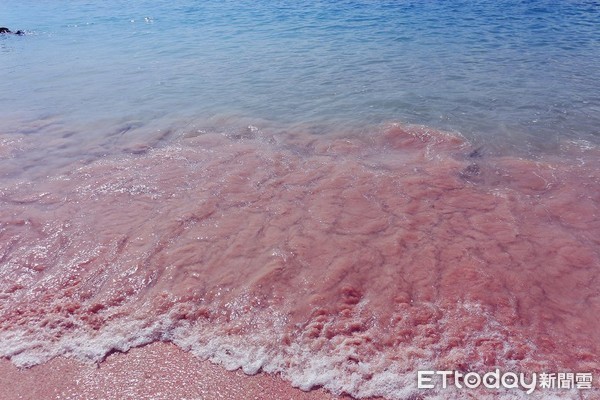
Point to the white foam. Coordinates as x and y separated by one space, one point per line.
304 367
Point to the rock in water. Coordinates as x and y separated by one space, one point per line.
4 30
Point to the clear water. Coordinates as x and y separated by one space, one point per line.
161 180
519 70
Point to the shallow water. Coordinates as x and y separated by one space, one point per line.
345 262
229 177
526 69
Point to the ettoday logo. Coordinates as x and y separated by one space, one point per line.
507 380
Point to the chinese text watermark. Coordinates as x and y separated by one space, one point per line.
507 380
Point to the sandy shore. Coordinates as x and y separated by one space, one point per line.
159 371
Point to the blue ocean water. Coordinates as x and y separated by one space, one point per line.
516 70
89 196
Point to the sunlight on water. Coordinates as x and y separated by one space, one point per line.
337 192
525 70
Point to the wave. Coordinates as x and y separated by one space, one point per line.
345 261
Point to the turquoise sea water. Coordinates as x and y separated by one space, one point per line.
521 71
338 192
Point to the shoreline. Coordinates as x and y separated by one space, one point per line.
158 371
408 250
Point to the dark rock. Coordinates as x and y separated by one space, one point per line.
4 31
477 153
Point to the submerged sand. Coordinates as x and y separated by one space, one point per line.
344 262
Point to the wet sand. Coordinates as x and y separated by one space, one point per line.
159 371
347 263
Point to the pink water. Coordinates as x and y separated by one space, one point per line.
342 261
